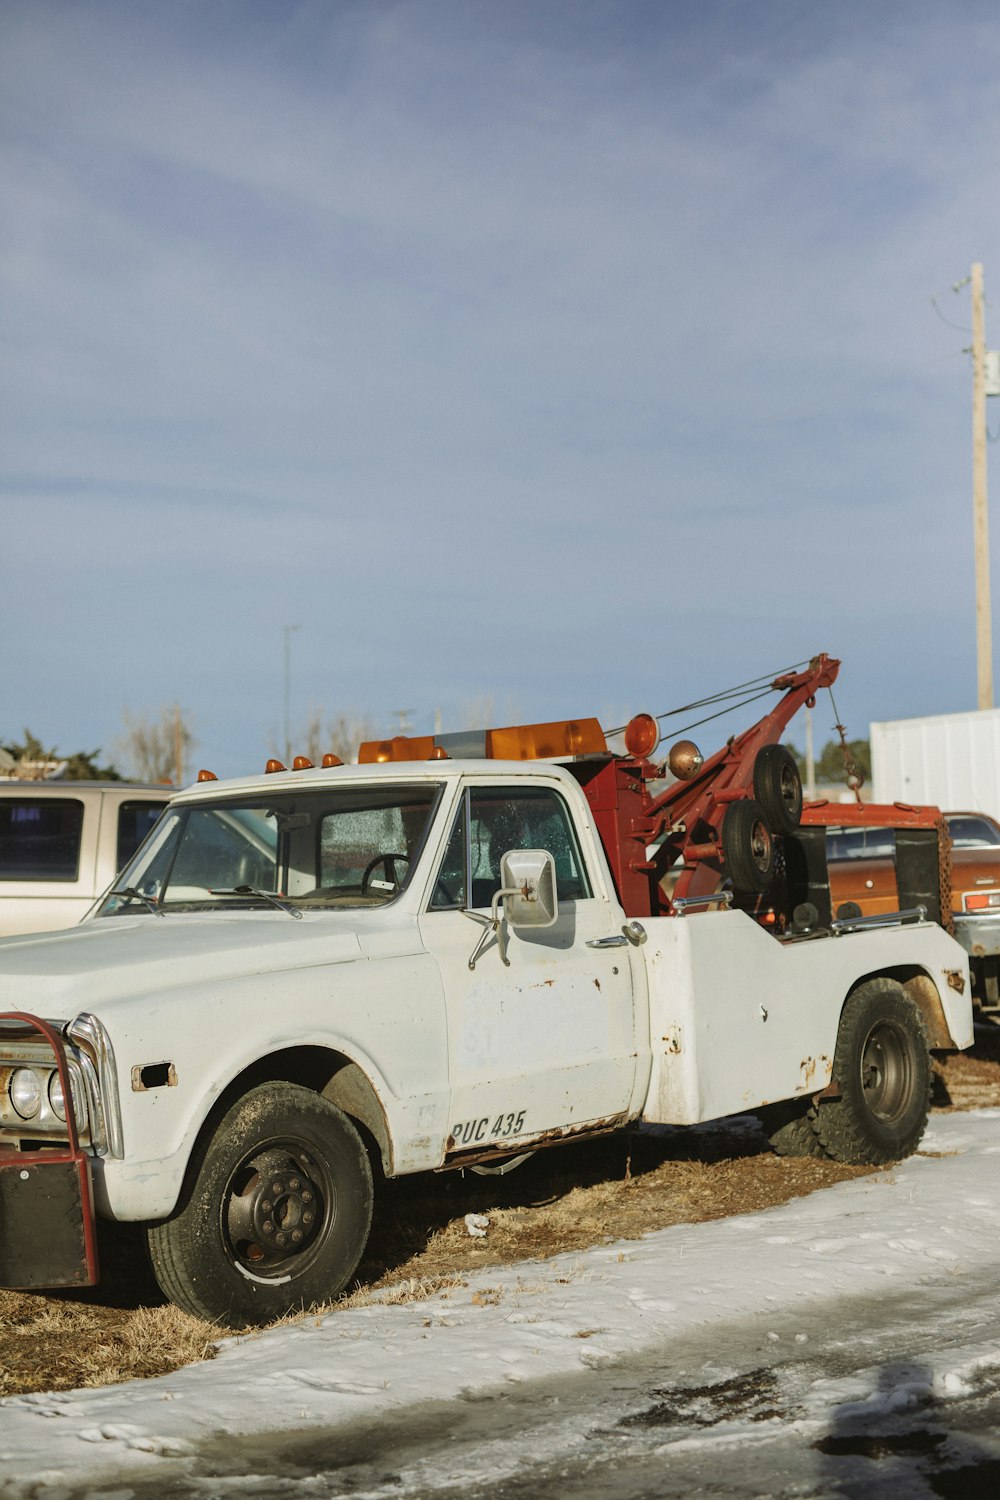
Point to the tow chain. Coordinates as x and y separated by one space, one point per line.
855 779
944 874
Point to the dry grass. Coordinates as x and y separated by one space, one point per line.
561 1200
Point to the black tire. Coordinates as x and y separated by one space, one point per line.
883 1066
277 1212
777 786
747 846
790 1128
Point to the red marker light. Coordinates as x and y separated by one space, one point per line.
642 735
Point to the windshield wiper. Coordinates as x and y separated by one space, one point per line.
248 890
150 902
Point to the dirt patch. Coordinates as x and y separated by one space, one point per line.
565 1199
971 1080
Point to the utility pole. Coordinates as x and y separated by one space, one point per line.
178 748
810 758
288 679
980 511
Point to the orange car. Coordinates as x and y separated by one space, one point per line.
863 868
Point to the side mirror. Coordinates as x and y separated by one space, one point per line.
528 880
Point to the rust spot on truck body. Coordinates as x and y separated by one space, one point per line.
561 1137
810 1066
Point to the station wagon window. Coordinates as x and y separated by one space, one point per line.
40 838
135 819
490 822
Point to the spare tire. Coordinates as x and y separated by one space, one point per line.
747 846
777 786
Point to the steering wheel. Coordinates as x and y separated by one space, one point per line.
388 864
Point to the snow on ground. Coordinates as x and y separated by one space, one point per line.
928 1222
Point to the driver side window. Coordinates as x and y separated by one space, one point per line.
493 820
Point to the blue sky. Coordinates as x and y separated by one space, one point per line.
582 356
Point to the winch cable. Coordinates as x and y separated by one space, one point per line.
745 692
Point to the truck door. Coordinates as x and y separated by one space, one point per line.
548 1043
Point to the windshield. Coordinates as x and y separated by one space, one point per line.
343 847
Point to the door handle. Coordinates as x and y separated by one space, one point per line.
607 942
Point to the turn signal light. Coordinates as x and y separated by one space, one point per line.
980 900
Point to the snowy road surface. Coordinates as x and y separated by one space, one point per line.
844 1344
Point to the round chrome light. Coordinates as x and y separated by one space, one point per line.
25 1090
685 760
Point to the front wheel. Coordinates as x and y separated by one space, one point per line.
277 1215
882 1064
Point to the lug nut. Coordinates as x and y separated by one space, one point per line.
293 1183
268 1227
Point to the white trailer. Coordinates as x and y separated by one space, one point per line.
950 760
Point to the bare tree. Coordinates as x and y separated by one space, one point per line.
155 746
482 713
341 734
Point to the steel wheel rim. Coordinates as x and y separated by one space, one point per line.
277 1210
788 789
886 1073
760 846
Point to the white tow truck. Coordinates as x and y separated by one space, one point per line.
449 955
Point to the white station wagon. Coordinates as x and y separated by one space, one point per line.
62 843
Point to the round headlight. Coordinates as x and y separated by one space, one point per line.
56 1098
25 1091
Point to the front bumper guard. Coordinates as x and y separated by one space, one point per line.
48 1228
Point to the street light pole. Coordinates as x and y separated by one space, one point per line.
980 511
288 679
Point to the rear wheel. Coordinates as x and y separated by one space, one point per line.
277 1215
790 1128
883 1067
